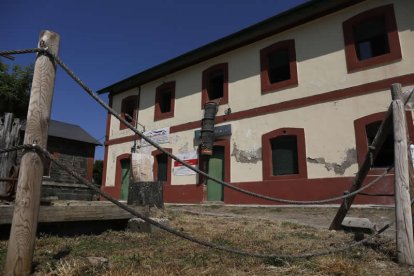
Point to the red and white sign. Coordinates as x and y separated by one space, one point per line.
190 158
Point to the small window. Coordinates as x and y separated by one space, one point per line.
371 38
385 157
162 166
215 84
162 162
284 154
128 110
278 66
164 101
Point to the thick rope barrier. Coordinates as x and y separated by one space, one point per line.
190 238
154 144
173 231
345 196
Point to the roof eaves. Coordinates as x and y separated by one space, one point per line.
296 16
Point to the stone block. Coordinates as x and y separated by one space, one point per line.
141 226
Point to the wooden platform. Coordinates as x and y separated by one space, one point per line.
70 211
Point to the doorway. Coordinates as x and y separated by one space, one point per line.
125 175
215 168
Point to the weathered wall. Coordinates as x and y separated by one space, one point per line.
329 127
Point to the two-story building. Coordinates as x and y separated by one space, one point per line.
300 96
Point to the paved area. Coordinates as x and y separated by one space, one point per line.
318 216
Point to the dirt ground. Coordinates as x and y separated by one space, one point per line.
319 216
280 230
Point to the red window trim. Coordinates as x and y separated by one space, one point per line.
160 90
125 101
267 153
118 173
352 62
266 86
155 167
361 135
223 67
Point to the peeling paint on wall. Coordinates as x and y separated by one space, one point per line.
246 156
350 159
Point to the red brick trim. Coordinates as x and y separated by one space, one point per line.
267 153
222 67
168 87
336 95
125 102
352 61
361 135
264 66
169 165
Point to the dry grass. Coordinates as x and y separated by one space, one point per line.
164 254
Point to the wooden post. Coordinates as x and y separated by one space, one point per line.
380 137
404 224
26 211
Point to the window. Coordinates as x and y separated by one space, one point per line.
164 101
215 84
162 166
278 66
385 157
371 38
128 110
284 154
365 130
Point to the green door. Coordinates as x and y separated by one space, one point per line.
216 170
126 169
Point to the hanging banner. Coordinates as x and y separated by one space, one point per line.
159 136
142 167
190 158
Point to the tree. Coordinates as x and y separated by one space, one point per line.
97 172
15 84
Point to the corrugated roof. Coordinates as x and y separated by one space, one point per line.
70 132
301 14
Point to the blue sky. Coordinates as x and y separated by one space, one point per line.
106 41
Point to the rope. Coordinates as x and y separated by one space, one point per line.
23 51
154 144
119 117
190 238
15 148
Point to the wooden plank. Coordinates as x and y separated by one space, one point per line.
27 203
78 212
380 137
404 224
9 137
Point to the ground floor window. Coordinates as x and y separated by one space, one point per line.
284 154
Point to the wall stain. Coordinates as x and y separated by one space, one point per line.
246 156
339 169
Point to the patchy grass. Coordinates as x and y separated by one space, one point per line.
161 253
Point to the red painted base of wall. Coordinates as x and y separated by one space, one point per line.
183 193
295 189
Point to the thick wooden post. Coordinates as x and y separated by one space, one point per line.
383 131
26 210
404 224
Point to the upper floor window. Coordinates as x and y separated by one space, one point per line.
164 101
129 110
284 154
215 84
278 66
371 38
